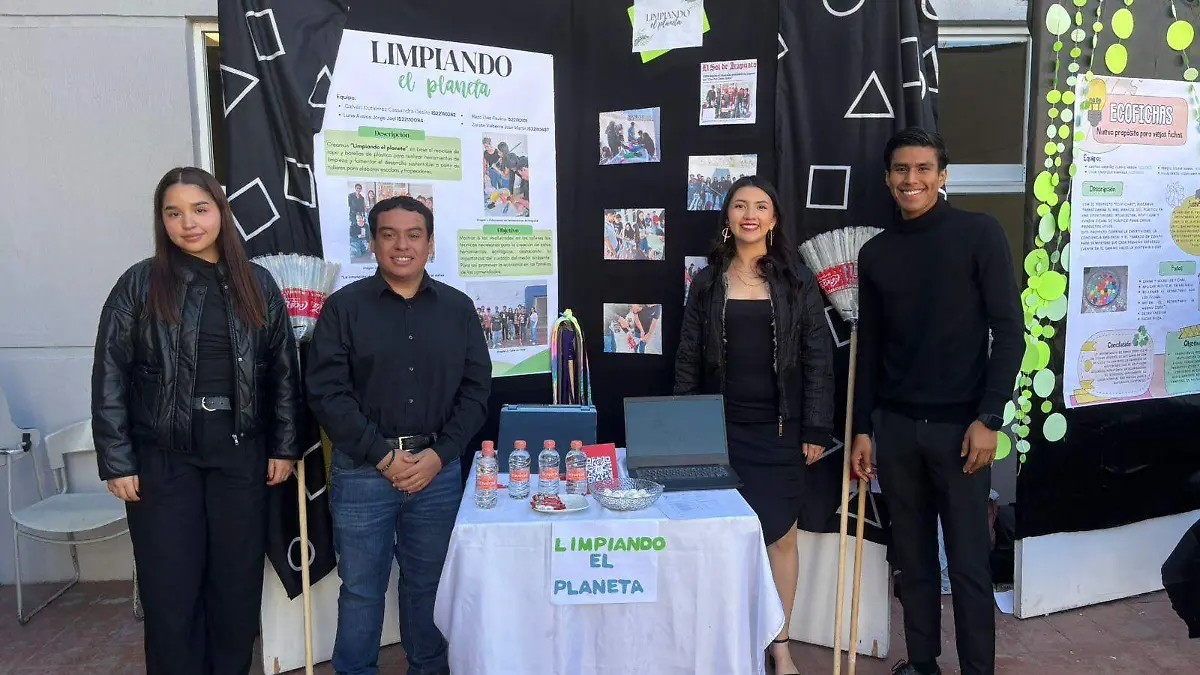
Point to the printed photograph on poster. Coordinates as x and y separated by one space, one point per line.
629 136
362 197
1104 289
709 178
512 313
505 175
667 24
692 264
632 328
634 234
728 92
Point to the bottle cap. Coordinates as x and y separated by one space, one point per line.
519 445
489 448
577 444
548 444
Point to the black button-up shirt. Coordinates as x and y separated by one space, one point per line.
381 366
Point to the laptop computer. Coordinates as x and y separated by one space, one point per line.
679 442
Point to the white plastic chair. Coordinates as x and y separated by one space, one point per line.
61 517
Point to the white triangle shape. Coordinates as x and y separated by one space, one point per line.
890 114
251 82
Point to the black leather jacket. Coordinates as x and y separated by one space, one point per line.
803 350
142 389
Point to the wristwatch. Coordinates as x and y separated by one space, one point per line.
993 422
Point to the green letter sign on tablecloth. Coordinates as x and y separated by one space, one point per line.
594 563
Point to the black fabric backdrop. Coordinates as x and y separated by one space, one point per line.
1125 462
831 112
826 60
273 56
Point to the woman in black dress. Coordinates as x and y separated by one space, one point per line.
754 331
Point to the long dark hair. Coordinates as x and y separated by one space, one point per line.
165 273
782 260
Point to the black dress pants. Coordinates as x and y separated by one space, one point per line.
199 536
920 473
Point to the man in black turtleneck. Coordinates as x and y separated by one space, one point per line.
932 393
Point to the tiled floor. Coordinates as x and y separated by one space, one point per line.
91 631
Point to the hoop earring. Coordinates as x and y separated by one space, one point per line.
724 235
771 237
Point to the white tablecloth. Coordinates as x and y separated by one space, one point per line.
716 613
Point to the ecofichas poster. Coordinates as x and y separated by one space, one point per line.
468 130
1133 298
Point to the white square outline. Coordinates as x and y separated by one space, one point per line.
324 484
312 183
270 14
837 340
920 81
329 76
783 44
237 99
267 196
937 75
845 205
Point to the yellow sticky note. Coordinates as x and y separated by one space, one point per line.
648 56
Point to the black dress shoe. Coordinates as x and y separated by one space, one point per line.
906 668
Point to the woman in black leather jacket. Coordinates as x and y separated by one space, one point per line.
195 397
754 330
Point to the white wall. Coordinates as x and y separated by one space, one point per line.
97 101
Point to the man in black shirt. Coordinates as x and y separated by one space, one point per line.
930 289
398 376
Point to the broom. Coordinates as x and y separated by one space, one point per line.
305 282
834 257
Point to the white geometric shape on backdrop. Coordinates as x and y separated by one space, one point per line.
312 183
916 57
781 44
837 445
872 79
270 16
928 11
872 507
843 12
328 76
252 81
313 495
837 340
931 54
247 236
812 170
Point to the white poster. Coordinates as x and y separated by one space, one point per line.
667 24
598 562
467 130
1133 299
728 92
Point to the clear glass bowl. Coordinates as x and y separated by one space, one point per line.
627 494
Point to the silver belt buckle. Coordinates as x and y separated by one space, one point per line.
204 404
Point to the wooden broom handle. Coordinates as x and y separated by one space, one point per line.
302 502
845 510
863 488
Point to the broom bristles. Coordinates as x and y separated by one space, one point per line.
305 282
833 257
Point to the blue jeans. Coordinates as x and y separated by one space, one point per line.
374 523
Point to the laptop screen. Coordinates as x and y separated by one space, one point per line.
679 428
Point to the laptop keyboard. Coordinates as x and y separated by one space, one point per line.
659 474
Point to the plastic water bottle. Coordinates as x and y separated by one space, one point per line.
548 462
518 471
576 461
487 470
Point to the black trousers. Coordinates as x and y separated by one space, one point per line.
199 536
920 472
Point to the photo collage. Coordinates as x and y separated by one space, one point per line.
728 95
362 197
505 176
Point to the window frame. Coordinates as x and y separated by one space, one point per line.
991 178
200 99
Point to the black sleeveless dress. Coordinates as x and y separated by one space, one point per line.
770 465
